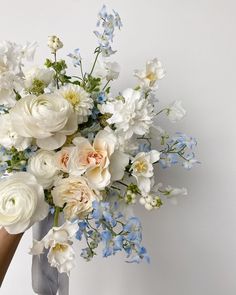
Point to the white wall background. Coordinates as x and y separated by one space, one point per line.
193 245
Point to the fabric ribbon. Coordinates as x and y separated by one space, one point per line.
45 279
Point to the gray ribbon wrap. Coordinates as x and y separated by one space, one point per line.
45 279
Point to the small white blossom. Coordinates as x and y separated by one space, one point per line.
54 43
150 202
175 111
107 70
58 240
142 169
41 74
150 76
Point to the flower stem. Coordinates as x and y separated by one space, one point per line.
95 61
56 216
55 60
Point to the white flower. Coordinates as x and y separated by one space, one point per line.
133 115
43 166
58 240
48 118
7 97
150 76
80 100
107 70
150 202
21 202
99 160
54 43
175 111
8 136
41 74
75 196
63 158
142 169
172 193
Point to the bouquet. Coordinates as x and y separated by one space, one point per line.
73 150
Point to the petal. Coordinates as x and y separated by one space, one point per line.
51 143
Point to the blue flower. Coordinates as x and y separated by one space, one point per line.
141 255
101 98
168 159
108 22
76 57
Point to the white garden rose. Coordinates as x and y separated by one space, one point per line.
43 166
47 117
8 136
75 194
21 202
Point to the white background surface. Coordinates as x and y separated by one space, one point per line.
193 245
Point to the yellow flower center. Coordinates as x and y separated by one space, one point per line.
72 96
151 76
59 248
141 166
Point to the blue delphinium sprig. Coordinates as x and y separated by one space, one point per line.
108 22
179 149
115 233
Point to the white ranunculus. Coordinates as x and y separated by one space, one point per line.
21 202
150 76
42 74
43 166
58 240
175 111
133 115
47 117
75 195
8 136
142 169
79 99
107 70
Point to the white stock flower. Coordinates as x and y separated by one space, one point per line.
58 240
11 62
54 43
38 74
107 70
175 111
75 196
8 136
142 169
100 162
47 117
43 166
132 115
80 100
21 202
150 76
